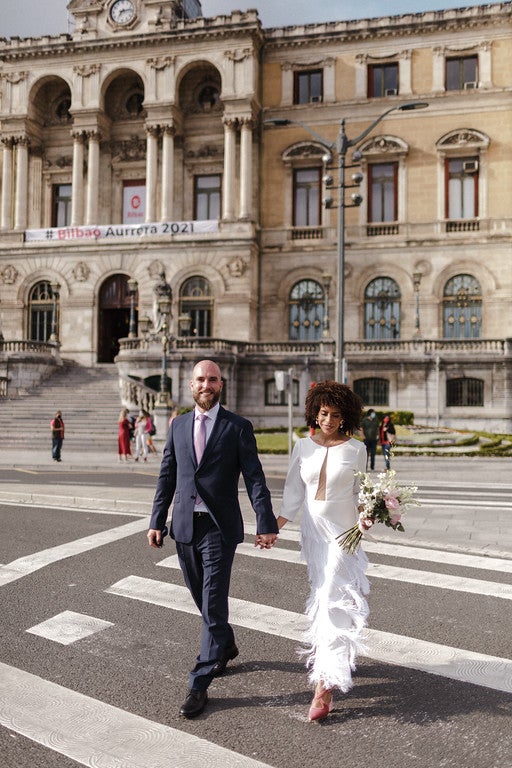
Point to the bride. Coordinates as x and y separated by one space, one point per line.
321 480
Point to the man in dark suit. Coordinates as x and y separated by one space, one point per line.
205 453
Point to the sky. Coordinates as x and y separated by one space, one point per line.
33 18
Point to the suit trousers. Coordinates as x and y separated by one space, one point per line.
206 564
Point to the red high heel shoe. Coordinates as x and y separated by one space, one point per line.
320 713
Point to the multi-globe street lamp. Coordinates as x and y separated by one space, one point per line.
341 146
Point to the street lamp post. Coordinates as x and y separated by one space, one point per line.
416 278
132 290
341 147
164 306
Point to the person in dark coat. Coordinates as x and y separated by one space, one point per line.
370 427
205 452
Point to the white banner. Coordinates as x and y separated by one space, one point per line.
134 203
122 230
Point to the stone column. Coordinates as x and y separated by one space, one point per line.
151 171
167 203
6 206
246 169
20 200
77 189
228 196
93 176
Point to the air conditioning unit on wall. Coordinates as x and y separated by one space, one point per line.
470 85
470 166
391 91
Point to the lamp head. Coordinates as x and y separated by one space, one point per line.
412 105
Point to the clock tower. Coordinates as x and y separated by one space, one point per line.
115 17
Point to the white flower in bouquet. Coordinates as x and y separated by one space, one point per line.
380 501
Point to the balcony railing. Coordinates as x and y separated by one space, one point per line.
326 348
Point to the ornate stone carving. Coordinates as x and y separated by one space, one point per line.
238 54
9 274
237 267
129 150
161 62
81 272
86 70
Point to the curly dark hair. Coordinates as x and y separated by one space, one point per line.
334 395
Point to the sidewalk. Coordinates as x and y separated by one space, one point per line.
455 525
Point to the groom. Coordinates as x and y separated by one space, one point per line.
205 453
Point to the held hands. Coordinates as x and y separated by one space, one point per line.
265 540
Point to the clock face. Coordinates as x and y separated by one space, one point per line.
122 11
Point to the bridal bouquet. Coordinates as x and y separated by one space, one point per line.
382 501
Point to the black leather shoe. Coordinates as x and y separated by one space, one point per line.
194 703
228 655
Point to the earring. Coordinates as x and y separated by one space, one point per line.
340 428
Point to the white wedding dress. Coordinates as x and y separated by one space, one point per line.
336 608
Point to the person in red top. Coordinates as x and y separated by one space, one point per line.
57 430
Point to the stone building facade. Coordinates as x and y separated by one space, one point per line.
155 147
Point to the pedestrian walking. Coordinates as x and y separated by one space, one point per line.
57 432
370 427
387 439
205 452
321 480
124 448
141 435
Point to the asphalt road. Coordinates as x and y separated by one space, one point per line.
98 635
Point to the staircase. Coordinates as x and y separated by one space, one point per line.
89 399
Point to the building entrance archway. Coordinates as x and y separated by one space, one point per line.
114 316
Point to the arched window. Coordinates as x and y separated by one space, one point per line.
306 307
372 391
40 311
196 303
465 392
382 309
462 308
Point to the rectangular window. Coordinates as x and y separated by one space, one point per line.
306 197
134 202
382 192
461 73
61 205
382 80
308 86
462 188
468 393
207 197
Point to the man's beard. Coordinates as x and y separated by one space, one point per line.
206 405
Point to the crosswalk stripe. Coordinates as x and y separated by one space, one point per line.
30 563
454 663
376 570
406 552
93 733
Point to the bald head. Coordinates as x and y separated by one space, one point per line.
206 384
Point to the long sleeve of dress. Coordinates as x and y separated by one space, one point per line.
294 488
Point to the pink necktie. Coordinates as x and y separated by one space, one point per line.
200 436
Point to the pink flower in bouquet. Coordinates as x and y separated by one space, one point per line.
395 519
391 503
365 523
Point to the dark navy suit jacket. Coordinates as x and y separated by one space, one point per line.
230 450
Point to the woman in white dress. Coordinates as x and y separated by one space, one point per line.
321 480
